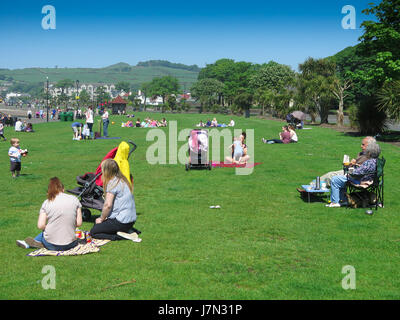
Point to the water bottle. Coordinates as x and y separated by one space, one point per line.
318 184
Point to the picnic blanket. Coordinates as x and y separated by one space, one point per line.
234 165
80 249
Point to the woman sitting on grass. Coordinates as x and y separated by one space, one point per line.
284 137
365 172
239 151
119 210
59 216
293 134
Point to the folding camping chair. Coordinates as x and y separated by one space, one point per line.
376 186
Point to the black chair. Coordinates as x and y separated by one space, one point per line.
377 185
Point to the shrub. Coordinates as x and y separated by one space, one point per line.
370 120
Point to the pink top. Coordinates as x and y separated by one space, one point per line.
285 137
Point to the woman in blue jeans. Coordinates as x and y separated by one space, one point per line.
59 216
364 172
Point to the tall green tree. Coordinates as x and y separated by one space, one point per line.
273 76
315 86
234 75
381 42
163 87
123 86
207 91
65 84
102 95
389 99
84 97
145 90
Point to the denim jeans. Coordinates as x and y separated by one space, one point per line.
105 127
54 247
338 187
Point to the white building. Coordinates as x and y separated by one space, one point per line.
89 87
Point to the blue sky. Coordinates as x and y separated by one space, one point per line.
100 33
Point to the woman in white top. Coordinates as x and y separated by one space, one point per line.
293 134
59 216
89 120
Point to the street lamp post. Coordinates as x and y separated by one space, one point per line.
77 95
47 97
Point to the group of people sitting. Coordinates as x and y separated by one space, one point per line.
150 123
23 126
214 123
60 214
364 168
287 135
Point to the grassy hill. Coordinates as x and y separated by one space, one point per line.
135 75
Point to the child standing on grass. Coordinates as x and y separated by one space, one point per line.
15 153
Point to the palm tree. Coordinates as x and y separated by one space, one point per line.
389 99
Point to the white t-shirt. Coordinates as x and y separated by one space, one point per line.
18 126
61 219
15 153
105 115
89 116
294 136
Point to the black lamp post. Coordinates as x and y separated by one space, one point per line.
77 95
47 98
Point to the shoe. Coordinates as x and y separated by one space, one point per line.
22 244
132 230
301 190
32 243
333 205
129 236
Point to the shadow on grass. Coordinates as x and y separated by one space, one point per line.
321 198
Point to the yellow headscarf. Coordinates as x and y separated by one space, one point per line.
121 158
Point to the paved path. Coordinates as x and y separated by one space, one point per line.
22 114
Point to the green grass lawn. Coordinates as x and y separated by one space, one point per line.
264 243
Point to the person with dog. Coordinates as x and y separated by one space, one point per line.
59 217
363 172
119 210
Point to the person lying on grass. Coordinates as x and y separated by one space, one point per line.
365 172
59 217
119 210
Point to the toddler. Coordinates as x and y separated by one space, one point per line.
15 153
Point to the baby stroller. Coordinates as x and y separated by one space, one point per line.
198 150
90 190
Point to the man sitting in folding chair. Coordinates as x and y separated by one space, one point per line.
370 192
364 174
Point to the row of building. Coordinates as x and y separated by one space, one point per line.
91 88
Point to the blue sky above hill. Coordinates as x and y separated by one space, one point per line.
100 33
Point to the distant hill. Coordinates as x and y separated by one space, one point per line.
136 75
163 63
